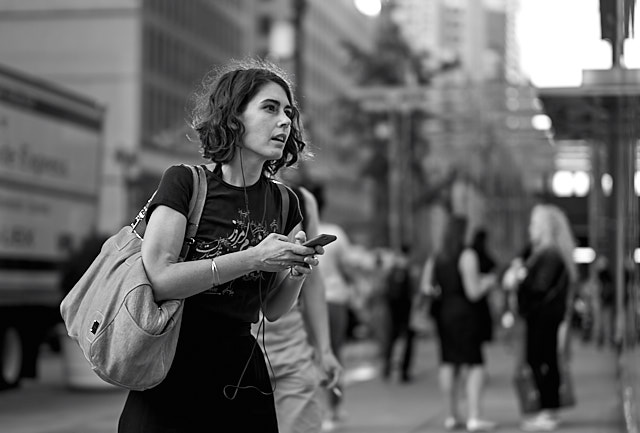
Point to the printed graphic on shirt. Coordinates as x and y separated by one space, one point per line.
245 234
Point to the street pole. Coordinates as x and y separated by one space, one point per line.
299 12
394 149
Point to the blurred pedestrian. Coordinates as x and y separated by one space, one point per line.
486 266
334 270
455 270
542 282
298 346
604 303
399 295
243 261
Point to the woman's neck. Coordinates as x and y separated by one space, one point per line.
241 173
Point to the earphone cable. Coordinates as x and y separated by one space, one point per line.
261 325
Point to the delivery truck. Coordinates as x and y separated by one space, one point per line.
50 174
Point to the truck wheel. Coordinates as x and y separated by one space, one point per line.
11 356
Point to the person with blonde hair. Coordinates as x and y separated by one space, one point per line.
542 282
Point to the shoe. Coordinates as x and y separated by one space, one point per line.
539 423
476 424
452 423
339 414
406 378
328 425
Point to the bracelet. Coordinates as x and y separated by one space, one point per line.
216 274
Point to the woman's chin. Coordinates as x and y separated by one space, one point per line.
277 154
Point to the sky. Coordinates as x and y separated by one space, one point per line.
560 38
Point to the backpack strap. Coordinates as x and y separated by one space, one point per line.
285 204
196 204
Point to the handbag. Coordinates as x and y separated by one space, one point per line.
526 390
528 394
128 338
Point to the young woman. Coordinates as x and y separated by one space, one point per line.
244 260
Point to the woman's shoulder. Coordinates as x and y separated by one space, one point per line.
178 172
174 190
547 256
282 190
468 256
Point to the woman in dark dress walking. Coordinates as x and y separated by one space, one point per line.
456 272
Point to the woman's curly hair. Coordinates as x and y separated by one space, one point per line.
223 97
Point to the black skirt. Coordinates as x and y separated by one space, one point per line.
460 333
218 384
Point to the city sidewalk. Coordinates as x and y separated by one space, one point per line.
46 405
375 406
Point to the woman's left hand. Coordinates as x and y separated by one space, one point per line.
309 261
277 253
332 370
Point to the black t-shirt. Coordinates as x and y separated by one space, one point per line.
226 226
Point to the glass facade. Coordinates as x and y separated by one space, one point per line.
180 44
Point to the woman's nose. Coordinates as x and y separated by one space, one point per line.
284 120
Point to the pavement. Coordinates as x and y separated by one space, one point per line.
49 405
376 406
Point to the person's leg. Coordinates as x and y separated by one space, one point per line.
475 389
338 315
409 335
448 377
296 396
607 338
548 372
475 383
390 338
542 357
597 324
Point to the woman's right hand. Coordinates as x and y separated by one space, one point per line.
514 275
277 253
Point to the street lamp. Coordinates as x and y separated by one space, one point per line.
370 8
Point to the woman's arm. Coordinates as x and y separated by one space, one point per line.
171 279
475 284
426 279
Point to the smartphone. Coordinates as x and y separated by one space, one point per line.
322 240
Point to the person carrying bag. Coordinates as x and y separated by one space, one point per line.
128 338
543 282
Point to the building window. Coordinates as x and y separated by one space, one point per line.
264 25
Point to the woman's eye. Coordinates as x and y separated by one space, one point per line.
289 113
271 108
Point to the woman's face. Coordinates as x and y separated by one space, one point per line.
267 122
